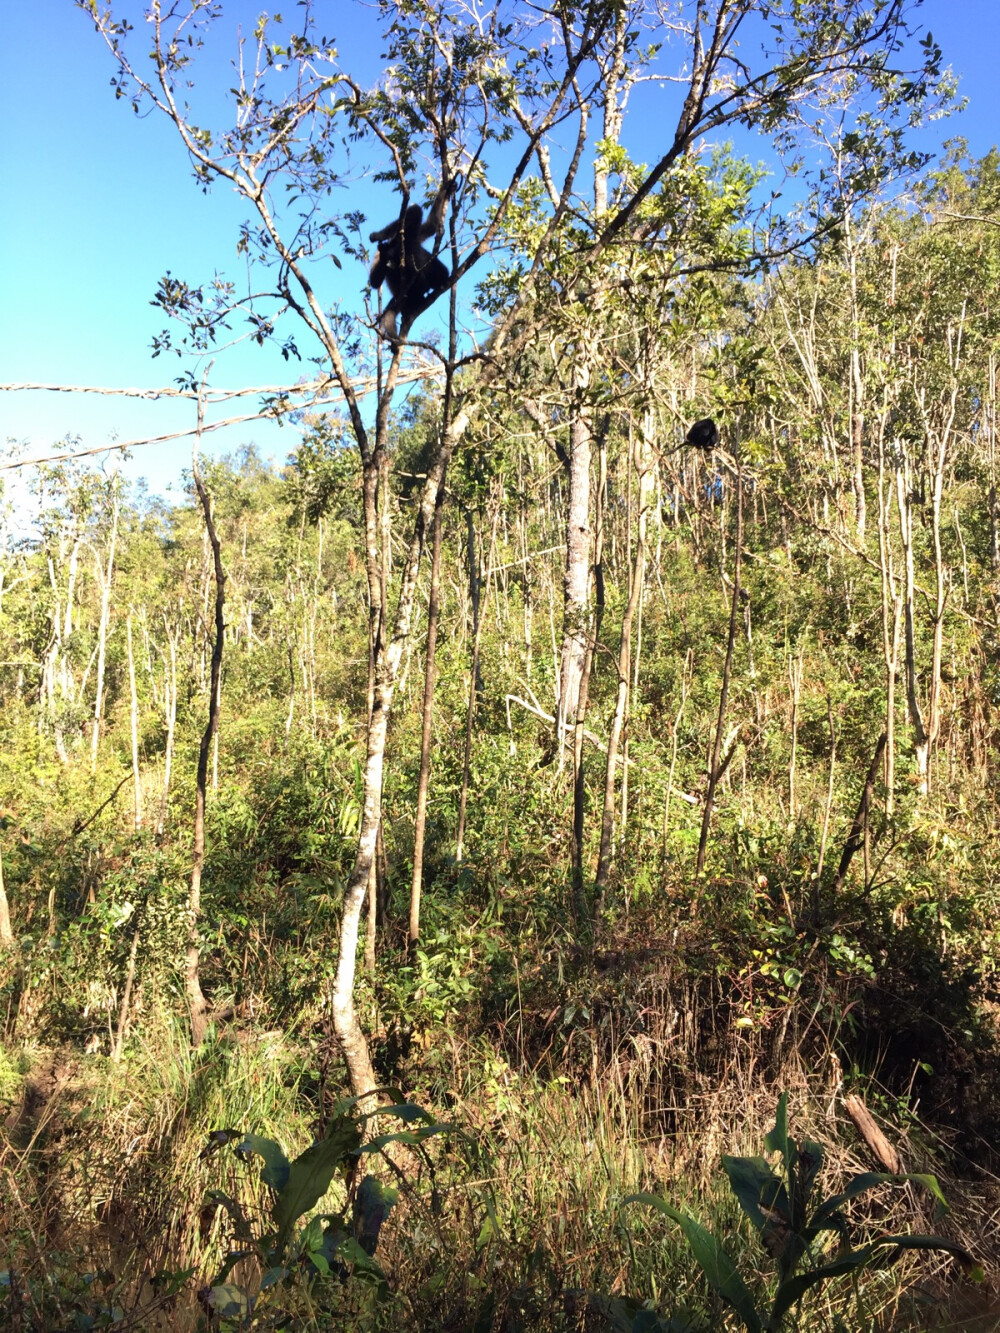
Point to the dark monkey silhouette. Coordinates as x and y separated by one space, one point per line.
410 272
703 434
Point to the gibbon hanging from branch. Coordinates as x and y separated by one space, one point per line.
412 273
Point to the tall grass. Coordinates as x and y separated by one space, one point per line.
514 1220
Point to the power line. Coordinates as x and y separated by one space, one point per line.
131 444
324 390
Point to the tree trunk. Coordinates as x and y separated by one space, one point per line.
475 599
714 772
579 776
990 433
475 686
197 1003
859 827
937 444
6 931
892 613
858 470
215 738
857 388
638 572
795 684
102 632
426 729
346 1025
921 736
133 713
686 675
828 807
576 578
372 922
170 718
116 1049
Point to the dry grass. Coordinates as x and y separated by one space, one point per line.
506 1225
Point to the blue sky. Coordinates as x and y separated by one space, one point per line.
99 203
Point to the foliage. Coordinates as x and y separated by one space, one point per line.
848 352
336 1245
779 1201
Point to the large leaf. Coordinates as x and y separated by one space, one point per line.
228 1301
627 1314
754 1183
276 1164
810 1160
411 1137
715 1263
309 1177
372 1205
341 1254
233 1258
777 1139
930 1184
395 1096
868 1256
970 1267
823 1218
241 1226
407 1112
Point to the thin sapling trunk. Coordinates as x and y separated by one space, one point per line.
716 768
196 999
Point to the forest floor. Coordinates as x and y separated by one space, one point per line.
515 1219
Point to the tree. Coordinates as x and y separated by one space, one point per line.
458 86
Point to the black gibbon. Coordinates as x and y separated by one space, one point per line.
410 272
703 434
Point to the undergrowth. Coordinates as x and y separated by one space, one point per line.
511 1218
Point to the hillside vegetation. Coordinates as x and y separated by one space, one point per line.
716 824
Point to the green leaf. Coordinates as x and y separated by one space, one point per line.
930 1184
715 1263
753 1182
868 1256
276 1165
372 1205
410 1137
240 1225
309 1177
166 1283
408 1112
970 1267
777 1139
622 1313
490 1227
809 1164
395 1095
794 1288
341 1249
822 1219
229 1301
